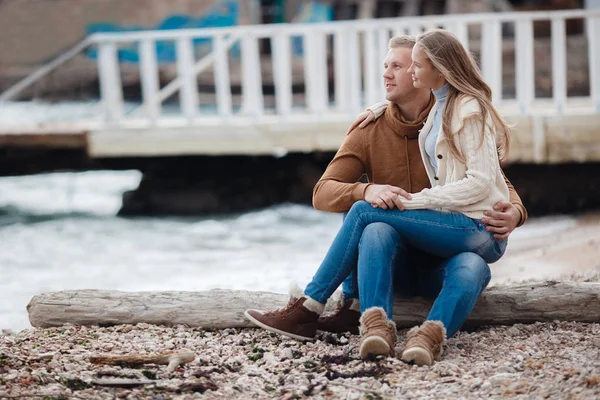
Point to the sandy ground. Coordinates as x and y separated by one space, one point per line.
549 251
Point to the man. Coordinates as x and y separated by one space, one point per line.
387 152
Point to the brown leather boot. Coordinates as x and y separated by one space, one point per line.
424 343
294 320
378 333
344 319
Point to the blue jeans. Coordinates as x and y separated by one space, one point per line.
443 237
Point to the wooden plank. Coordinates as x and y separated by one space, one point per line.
52 140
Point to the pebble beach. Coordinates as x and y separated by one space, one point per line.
537 361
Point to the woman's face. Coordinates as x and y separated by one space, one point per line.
424 74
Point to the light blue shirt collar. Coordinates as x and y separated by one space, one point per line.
441 93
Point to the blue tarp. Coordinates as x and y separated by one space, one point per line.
225 13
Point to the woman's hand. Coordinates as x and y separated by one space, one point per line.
386 196
362 120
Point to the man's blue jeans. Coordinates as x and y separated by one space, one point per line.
451 253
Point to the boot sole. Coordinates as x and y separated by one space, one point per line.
275 330
417 355
374 345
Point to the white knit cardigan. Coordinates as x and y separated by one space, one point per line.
471 186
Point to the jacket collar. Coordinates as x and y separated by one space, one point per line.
402 127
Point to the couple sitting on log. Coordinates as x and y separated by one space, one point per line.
437 208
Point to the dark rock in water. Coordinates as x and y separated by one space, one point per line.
204 185
557 188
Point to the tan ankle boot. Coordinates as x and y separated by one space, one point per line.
377 333
424 343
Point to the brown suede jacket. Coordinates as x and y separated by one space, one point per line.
387 151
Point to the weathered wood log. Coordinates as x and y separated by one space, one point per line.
171 359
499 305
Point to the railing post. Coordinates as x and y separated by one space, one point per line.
221 71
109 75
559 64
593 37
282 73
525 77
253 103
461 30
315 72
491 57
352 63
341 71
399 31
382 47
188 93
414 30
372 95
149 78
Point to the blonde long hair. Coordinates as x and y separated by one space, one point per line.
455 63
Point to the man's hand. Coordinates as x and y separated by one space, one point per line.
503 220
386 196
362 120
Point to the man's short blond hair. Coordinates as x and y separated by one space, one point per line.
405 41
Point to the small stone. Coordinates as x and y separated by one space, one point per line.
513 331
476 384
519 358
505 369
286 354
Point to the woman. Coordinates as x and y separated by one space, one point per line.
461 154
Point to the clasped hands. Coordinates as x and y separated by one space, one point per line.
502 220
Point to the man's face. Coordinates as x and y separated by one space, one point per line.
397 81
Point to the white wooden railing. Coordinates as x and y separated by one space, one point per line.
354 51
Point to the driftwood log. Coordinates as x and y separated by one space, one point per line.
171 359
216 309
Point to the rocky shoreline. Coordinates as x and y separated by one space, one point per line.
543 360
537 361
